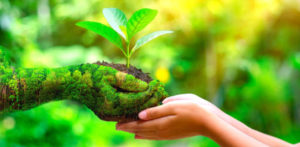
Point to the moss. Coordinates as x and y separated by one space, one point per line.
109 93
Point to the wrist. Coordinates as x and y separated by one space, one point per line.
205 121
209 125
226 135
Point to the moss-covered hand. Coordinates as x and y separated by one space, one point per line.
109 93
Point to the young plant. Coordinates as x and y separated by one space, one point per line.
122 30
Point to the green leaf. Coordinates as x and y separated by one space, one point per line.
148 38
103 31
115 18
139 20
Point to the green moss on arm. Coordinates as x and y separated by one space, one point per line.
108 92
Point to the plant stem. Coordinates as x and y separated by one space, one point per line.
128 55
127 62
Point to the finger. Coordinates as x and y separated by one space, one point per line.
156 98
128 100
146 138
108 104
129 82
137 126
144 126
156 112
147 134
180 97
185 97
123 80
127 126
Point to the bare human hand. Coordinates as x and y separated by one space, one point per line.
189 115
173 120
264 138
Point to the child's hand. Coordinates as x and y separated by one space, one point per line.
184 117
188 115
204 103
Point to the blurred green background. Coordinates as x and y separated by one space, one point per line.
244 56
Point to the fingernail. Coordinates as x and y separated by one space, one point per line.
143 115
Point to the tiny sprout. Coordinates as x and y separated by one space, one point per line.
122 30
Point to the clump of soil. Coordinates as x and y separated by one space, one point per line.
138 73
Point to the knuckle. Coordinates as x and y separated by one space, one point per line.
149 113
175 108
152 113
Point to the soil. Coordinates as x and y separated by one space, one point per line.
138 73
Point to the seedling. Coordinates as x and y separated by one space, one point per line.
123 30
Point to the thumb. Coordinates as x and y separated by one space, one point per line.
130 83
156 112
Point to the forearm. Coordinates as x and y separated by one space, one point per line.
226 135
264 138
22 89
98 87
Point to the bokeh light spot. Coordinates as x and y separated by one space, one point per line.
162 74
8 123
